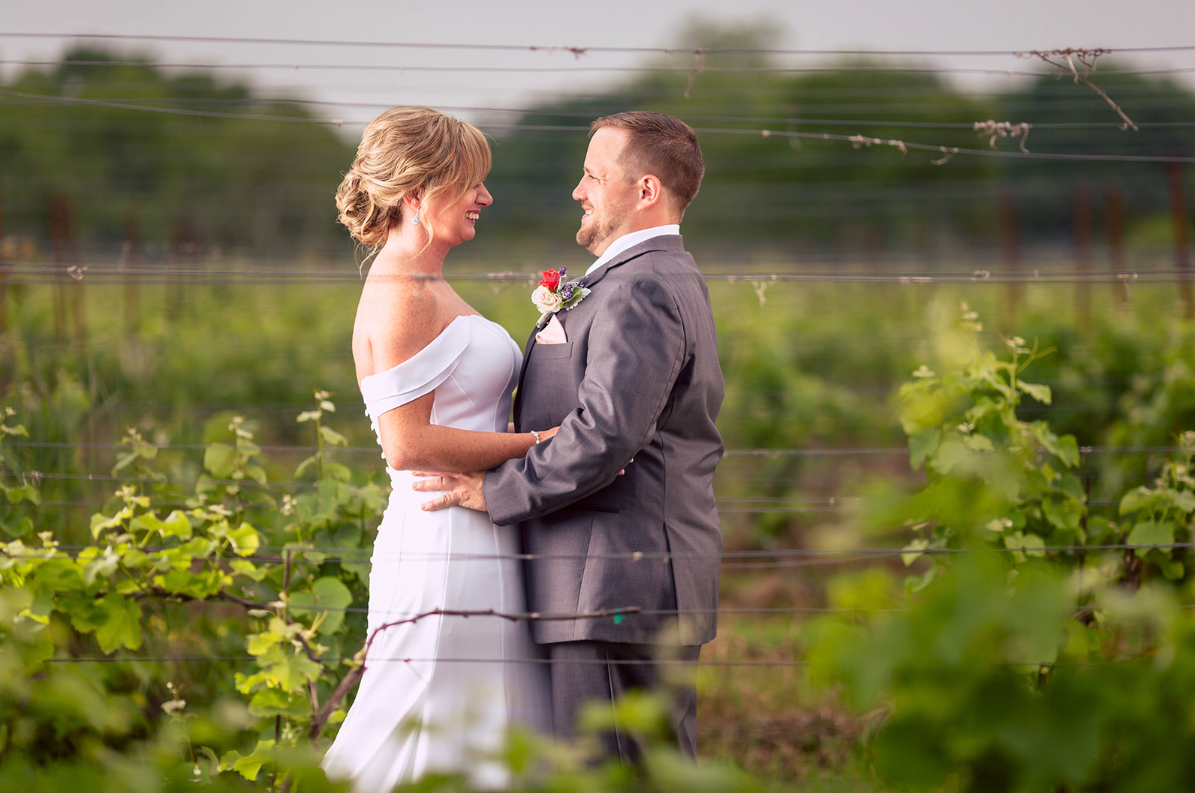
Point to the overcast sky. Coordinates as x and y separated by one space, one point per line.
368 78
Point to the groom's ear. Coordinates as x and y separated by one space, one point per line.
650 190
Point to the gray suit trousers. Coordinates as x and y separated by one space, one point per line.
587 672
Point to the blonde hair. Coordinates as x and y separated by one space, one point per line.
407 149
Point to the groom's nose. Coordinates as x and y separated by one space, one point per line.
578 195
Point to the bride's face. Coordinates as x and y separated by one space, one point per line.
454 223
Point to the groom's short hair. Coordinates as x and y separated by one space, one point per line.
660 145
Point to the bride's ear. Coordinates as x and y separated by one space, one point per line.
412 201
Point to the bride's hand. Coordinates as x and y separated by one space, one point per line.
545 434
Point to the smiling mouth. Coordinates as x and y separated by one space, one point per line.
472 215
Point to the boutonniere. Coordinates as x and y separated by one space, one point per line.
554 294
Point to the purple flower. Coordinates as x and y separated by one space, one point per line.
583 281
561 270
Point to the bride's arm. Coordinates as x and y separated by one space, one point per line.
412 443
398 317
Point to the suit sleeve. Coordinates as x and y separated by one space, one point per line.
636 349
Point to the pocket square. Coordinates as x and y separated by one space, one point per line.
553 333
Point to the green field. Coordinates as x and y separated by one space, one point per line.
811 422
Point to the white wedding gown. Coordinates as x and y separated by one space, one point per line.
440 694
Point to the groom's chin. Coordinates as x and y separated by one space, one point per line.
585 240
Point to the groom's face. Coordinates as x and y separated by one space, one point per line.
607 196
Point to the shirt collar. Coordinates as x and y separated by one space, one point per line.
634 238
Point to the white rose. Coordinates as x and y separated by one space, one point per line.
546 301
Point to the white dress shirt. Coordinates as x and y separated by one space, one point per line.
634 238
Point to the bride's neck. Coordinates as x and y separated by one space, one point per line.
406 250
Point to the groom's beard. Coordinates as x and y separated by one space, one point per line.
604 227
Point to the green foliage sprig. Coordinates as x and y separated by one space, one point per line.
114 594
993 476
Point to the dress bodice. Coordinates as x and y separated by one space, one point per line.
472 366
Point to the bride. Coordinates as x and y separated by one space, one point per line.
438 695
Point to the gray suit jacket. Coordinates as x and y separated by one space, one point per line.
638 378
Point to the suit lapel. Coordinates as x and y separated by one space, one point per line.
665 242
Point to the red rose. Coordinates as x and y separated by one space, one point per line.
551 280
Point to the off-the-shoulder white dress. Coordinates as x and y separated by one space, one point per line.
439 695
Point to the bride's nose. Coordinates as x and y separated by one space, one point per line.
483 197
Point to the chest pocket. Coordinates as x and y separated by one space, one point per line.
552 351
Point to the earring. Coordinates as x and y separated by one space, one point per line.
415 220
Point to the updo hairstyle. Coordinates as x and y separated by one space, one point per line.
402 150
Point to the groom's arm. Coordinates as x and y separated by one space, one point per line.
635 352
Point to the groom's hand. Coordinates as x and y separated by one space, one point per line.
464 490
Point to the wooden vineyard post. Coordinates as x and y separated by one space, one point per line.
1114 208
3 279
184 247
70 304
1083 257
59 213
1010 248
1182 253
6 355
129 257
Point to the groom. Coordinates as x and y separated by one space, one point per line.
629 372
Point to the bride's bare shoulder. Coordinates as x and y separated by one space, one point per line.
397 317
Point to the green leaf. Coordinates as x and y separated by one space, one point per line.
1068 450
247 684
303 466
347 536
121 626
183 582
220 460
260 643
1151 533
340 473
59 575
1065 515
123 460
248 569
922 445
18 429
1184 500
912 551
1136 500
17 528
308 415
248 766
273 702
1025 544
1171 568
103 566
175 525
979 443
1039 392
333 437
245 539
328 596
101 523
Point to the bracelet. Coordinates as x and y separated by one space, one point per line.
536 434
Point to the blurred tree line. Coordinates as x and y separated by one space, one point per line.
75 151
808 196
260 186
